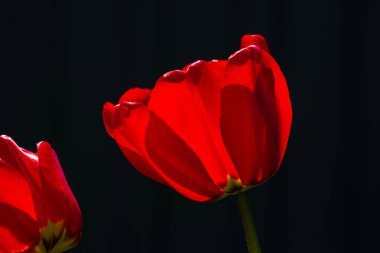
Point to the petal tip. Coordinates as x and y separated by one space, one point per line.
108 118
174 76
44 146
256 40
194 71
4 137
243 55
137 95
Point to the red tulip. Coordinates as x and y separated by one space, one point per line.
211 129
38 212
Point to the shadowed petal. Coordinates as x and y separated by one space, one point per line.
283 107
249 122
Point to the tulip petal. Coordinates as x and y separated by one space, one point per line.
111 122
55 189
176 159
250 115
283 106
245 134
208 88
21 197
130 135
24 194
21 159
187 101
114 116
124 128
18 231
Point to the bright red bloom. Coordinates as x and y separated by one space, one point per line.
38 212
211 129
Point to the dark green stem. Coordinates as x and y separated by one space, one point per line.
249 227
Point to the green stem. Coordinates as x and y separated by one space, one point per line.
253 243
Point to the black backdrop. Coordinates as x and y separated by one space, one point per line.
61 60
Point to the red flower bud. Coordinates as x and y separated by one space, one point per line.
38 212
211 129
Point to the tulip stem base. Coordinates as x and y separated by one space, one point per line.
253 243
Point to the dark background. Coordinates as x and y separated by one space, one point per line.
60 61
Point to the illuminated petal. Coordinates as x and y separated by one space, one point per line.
130 134
188 102
55 189
18 231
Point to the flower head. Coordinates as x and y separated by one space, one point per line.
38 212
213 128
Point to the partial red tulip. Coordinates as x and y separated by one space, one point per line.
213 128
38 211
